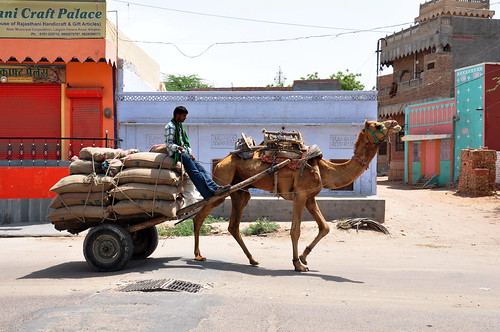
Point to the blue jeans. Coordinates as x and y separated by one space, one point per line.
200 177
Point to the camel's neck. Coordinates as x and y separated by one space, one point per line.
339 175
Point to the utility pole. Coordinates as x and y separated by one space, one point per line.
279 79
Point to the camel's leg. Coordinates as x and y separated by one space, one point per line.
198 220
298 209
239 200
323 228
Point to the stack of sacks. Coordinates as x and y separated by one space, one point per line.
148 185
83 195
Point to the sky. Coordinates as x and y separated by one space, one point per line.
242 43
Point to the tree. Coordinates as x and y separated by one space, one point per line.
347 81
184 83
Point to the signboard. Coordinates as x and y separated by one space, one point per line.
223 141
52 19
31 73
342 142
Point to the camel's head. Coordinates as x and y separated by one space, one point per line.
378 131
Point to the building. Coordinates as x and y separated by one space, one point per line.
61 66
437 132
447 35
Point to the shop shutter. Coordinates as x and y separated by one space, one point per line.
29 110
86 122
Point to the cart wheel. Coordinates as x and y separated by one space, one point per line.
107 247
145 242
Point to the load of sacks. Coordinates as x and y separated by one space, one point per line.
117 185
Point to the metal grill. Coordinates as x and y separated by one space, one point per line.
163 285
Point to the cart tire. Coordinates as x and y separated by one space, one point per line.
145 242
108 247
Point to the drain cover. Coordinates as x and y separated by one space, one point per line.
163 285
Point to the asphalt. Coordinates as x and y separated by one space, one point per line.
30 230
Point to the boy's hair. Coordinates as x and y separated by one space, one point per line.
180 110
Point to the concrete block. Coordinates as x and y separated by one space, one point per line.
331 207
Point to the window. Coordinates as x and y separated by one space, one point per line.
416 147
382 151
445 153
430 65
399 145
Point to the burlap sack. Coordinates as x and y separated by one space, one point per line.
148 175
77 212
69 199
112 167
125 153
80 166
144 191
150 160
80 183
152 208
99 154
159 148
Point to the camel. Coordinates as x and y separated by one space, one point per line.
299 188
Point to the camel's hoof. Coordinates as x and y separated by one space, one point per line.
254 262
303 259
200 258
301 269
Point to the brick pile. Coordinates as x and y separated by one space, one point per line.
477 172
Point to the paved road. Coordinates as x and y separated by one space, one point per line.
46 285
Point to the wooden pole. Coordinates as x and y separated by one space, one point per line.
189 208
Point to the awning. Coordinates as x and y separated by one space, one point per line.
80 50
429 137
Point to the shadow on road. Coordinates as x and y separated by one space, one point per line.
81 270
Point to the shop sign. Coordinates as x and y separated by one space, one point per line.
52 19
31 73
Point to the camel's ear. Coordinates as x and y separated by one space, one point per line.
367 124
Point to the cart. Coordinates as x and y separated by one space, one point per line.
109 246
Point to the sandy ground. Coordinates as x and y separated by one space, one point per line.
438 217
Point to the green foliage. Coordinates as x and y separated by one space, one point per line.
348 81
314 76
184 83
186 228
261 226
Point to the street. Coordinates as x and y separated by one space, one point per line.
359 281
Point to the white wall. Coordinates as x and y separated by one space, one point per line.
330 119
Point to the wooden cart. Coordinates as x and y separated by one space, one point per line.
109 246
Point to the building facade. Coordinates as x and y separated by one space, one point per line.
437 132
447 35
60 70
330 119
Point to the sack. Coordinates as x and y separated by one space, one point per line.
151 160
159 148
77 212
80 166
125 153
69 199
145 191
80 183
112 167
99 154
148 175
152 208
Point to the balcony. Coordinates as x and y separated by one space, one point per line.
46 151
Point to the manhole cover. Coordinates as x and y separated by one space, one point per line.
163 285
